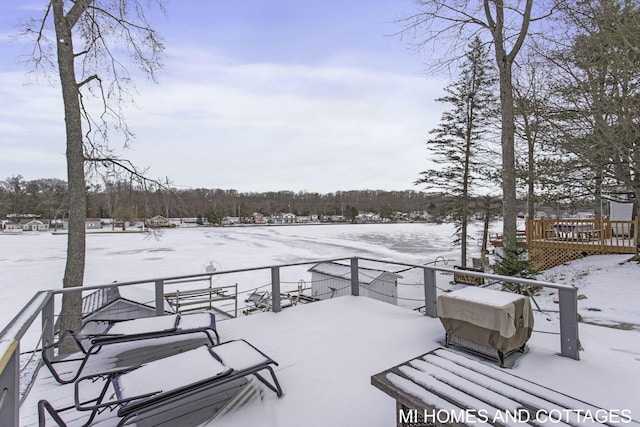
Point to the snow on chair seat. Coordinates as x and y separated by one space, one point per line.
146 331
177 382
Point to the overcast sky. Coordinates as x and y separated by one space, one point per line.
255 95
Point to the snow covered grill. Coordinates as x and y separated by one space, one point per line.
486 321
442 388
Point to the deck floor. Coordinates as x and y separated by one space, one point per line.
328 351
307 352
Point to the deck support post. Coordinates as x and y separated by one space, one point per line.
355 280
569 342
159 286
275 289
48 328
430 293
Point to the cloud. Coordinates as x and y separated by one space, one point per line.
267 126
215 122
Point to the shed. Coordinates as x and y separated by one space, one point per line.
331 279
120 303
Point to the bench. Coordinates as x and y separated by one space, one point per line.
445 388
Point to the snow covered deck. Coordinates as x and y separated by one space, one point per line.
328 351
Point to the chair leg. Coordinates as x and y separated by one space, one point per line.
275 386
98 400
49 364
43 406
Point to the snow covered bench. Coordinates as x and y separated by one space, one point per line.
445 388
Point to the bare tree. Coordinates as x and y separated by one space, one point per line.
94 40
597 87
533 130
448 26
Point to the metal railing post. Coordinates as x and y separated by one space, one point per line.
430 293
569 342
355 279
48 326
275 289
9 383
159 286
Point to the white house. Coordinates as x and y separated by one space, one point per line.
11 227
158 221
331 279
283 218
35 225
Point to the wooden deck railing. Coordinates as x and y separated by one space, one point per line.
587 234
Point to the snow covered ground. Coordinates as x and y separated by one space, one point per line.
608 373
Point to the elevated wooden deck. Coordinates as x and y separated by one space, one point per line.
553 242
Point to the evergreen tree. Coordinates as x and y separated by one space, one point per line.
457 141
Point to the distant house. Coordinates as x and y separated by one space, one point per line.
283 218
93 223
158 221
120 303
34 225
231 220
17 223
11 226
89 224
258 218
366 217
331 279
303 219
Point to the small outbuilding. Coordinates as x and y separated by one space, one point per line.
331 279
120 303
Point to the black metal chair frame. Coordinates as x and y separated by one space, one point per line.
127 408
98 340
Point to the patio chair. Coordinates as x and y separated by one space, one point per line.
172 388
118 332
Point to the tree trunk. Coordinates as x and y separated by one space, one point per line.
485 231
508 151
504 61
71 315
531 170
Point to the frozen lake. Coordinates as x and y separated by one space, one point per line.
33 262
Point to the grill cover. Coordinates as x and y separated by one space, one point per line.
499 320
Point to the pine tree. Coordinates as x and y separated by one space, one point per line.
457 143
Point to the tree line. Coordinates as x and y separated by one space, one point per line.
127 200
